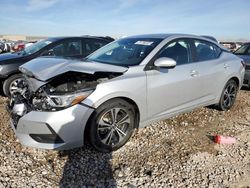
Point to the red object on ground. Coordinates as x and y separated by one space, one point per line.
224 139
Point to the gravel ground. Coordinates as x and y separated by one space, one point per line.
177 152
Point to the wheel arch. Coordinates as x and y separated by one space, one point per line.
129 100
11 74
236 79
136 108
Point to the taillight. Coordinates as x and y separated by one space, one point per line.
243 63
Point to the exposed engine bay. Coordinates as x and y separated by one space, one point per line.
61 91
71 82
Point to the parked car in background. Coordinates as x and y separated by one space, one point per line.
1 47
124 85
229 45
74 47
6 46
27 44
20 45
244 53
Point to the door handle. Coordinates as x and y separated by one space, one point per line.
226 66
194 73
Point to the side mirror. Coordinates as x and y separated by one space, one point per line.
165 62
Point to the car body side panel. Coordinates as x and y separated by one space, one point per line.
131 85
234 70
212 75
170 90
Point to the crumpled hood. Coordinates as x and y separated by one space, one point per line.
45 68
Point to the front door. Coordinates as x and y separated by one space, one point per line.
170 91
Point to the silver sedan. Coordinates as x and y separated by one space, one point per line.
125 85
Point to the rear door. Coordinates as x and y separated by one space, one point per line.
212 69
170 91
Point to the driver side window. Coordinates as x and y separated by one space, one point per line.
65 48
58 50
177 50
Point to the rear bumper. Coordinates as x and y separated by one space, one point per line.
59 130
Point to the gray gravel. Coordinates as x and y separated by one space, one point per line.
177 152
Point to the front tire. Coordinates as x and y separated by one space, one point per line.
111 125
228 96
10 84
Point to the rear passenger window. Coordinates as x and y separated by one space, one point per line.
66 48
91 45
178 50
206 51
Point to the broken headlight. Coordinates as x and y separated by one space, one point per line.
59 102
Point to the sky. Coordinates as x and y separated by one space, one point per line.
223 19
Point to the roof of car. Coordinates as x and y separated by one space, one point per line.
167 35
85 36
161 35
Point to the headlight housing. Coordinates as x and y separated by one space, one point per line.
1 68
64 101
60 102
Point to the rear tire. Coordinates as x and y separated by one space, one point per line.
10 84
228 96
111 125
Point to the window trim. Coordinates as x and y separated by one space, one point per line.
196 59
150 64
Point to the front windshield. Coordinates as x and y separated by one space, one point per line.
36 46
125 52
242 50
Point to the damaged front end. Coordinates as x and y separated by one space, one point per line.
44 111
53 84
58 93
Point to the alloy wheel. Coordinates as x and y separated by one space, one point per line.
13 85
113 126
229 95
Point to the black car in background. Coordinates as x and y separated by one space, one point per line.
244 53
73 47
